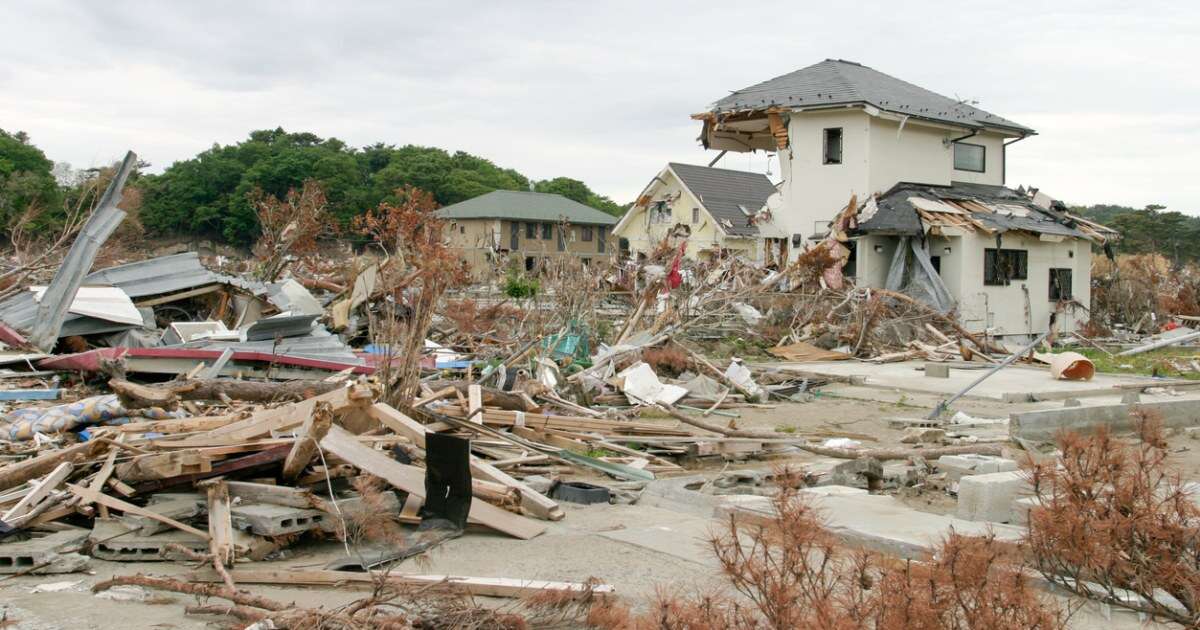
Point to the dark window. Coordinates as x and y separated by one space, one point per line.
530 261
1001 266
514 235
970 157
585 232
937 263
695 215
547 231
562 238
1060 284
603 237
587 262
531 230
833 145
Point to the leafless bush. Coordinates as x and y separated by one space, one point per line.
290 226
1112 518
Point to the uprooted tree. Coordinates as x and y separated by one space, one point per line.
1113 521
420 269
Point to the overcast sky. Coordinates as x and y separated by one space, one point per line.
600 91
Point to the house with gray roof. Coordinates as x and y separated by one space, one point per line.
717 211
912 183
531 228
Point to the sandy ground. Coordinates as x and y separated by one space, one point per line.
637 548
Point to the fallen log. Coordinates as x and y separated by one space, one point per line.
511 401
168 395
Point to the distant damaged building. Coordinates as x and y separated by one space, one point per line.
926 174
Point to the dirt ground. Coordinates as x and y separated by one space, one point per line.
640 548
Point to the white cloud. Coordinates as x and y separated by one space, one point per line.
599 91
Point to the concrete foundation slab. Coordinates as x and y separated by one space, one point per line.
1012 384
1045 424
881 523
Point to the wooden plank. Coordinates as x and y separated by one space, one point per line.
478 586
16 474
412 480
87 494
307 440
40 490
220 524
475 403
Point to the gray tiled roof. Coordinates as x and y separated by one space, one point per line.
896 215
723 190
525 206
840 82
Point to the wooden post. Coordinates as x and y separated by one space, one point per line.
307 440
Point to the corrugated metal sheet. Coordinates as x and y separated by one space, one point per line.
320 345
156 276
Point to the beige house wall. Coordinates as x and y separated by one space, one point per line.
481 241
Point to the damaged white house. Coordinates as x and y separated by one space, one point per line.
931 170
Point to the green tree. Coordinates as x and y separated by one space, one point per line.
26 180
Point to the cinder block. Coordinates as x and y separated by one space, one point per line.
43 555
111 540
937 370
266 519
990 497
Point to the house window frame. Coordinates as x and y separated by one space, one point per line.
547 231
530 230
585 233
1019 267
695 216
826 160
983 157
1055 281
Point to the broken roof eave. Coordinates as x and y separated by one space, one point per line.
749 140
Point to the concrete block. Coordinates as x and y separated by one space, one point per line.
266 519
956 466
47 554
112 541
937 370
990 497
922 435
1020 509
1131 398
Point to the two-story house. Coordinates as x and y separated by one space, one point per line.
531 227
928 171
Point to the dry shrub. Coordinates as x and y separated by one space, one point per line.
290 226
421 268
1113 518
667 360
789 572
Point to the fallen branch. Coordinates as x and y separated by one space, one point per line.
168 395
242 598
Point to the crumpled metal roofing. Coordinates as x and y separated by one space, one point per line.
895 214
319 344
156 276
